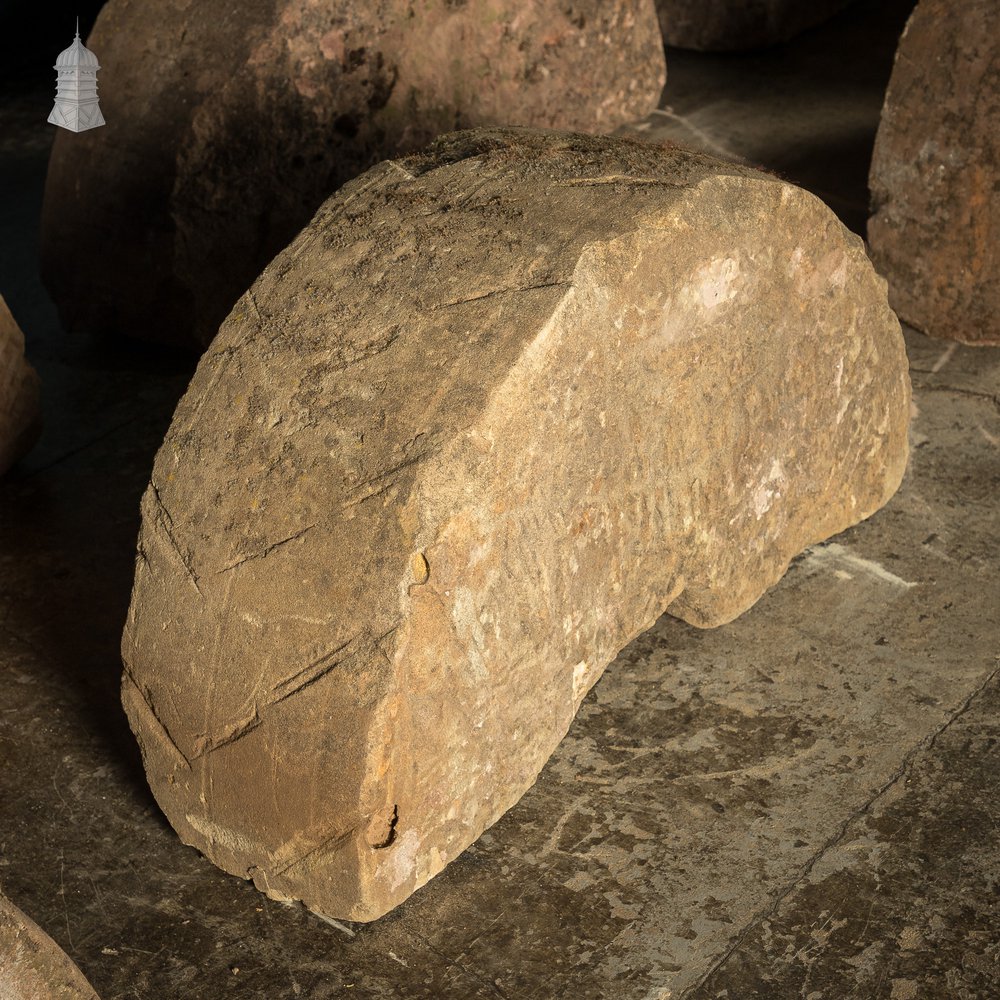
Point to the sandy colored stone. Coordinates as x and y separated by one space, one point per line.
229 124
20 392
722 25
491 413
32 965
935 176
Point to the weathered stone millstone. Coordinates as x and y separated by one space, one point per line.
229 124
490 414
722 25
19 393
32 965
935 231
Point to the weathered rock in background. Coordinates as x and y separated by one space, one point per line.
496 408
20 393
724 25
32 965
935 177
227 126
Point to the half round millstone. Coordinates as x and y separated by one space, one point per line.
497 408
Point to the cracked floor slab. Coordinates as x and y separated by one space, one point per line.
904 905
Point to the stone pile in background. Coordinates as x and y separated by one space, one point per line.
935 176
228 125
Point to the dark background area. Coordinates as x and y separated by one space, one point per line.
32 34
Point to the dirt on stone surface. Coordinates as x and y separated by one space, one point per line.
228 125
455 448
935 228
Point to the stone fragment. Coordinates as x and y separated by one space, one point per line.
935 176
228 124
19 393
491 413
721 25
32 965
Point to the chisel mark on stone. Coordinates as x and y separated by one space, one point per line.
266 552
499 291
205 745
166 523
139 700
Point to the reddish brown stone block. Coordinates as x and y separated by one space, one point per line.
935 177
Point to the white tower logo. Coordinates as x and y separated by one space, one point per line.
76 106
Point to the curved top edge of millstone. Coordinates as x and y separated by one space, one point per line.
524 142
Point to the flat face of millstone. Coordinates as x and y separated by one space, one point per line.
700 407
935 232
496 408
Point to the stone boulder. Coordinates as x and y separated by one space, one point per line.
497 408
722 25
935 227
32 965
228 125
20 393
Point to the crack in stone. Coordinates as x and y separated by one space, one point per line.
920 747
283 690
158 725
267 551
625 179
205 745
167 524
390 837
499 291
382 481
309 674
331 842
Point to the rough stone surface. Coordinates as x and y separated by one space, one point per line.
32 965
935 228
721 25
19 393
491 413
228 125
